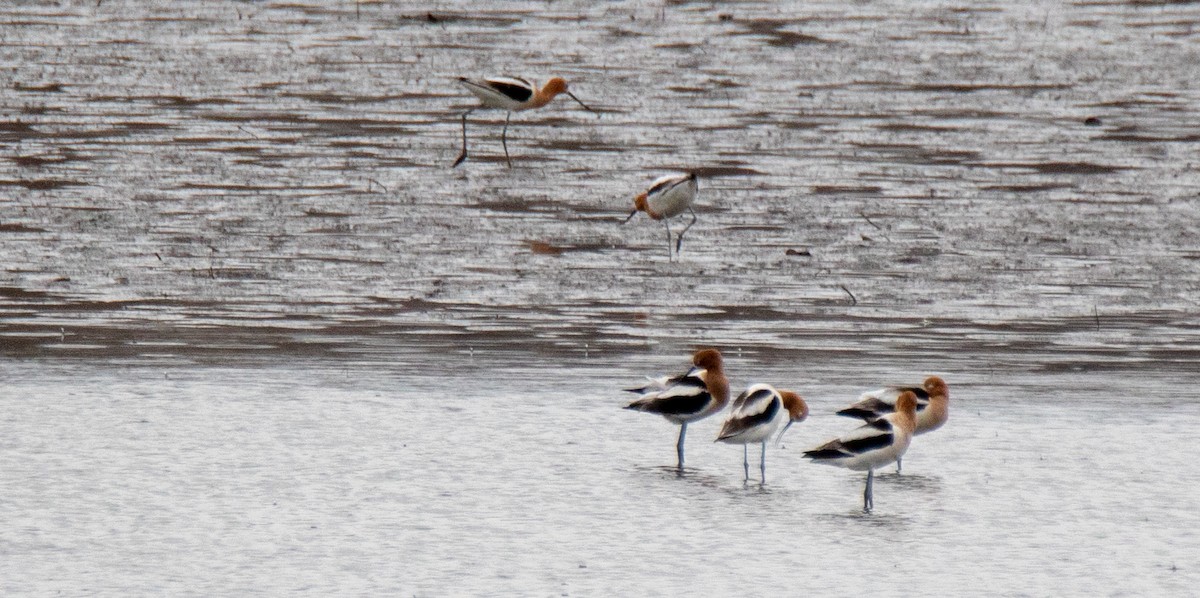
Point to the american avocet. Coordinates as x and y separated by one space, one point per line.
667 198
688 397
933 405
875 444
510 94
757 414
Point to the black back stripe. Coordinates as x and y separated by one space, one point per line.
862 445
687 380
859 413
680 405
766 415
737 426
518 93
920 392
746 399
825 453
759 395
667 185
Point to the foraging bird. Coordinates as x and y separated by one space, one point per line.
510 94
692 396
933 405
875 444
667 198
757 413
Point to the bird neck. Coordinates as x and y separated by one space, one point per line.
939 405
541 98
718 386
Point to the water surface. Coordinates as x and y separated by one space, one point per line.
259 338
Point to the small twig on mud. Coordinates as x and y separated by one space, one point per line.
243 129
852 297
370 180
865 217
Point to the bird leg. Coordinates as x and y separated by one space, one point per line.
679 239
763 463
504 139
746 463
897 465
868 499
679 446
463 155
667 224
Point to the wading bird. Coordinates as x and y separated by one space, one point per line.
510 94
933 405
692 396
756 415
667 198
875 444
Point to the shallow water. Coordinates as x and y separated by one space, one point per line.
307 478
258 337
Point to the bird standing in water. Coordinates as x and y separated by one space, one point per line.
667 198
757 414
692 396
933 405
875 444
510 94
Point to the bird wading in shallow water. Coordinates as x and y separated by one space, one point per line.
875 444
510 94
933 405
755 416
667 198
688 397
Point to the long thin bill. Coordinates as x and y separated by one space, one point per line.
585 106
631 215
779 439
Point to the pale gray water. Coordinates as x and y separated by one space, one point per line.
152 480
259 338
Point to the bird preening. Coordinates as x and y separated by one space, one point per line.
694 395
511 94
756 415
933 405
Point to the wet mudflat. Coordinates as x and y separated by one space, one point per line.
240 217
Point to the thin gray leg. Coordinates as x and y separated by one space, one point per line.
463 155
679 239
679 446
763 463
746 463
668 225
504 139
868 499
897 464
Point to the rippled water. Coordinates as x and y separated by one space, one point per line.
258 337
